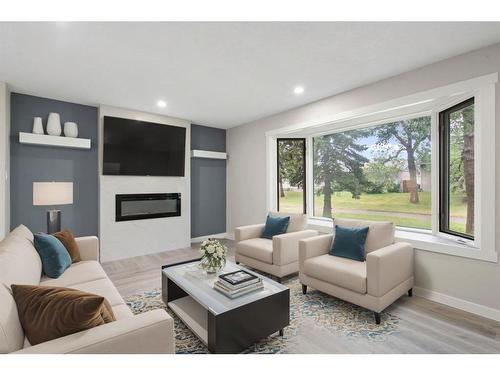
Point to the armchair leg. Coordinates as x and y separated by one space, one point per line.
304 289
410 292
237 262
377 317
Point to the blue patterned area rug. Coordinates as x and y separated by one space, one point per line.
316 312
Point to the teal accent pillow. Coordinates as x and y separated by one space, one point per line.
349 242
275 225
55 258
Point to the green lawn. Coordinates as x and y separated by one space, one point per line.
392 203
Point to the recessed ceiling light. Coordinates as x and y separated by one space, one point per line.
161 103
298 90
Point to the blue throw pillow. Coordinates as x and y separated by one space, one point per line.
55 258
275 225
349 242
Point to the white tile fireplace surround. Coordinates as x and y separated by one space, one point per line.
125 239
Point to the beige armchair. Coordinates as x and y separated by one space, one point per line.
279 256
385 276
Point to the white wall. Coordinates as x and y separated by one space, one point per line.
4 159
139 237
465 283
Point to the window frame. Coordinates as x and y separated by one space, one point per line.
483 89
444 168
304 166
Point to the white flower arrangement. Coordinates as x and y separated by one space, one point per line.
213 255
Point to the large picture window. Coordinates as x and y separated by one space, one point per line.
425 162
456 160
376 173
291 175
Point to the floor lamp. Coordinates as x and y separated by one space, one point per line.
52 194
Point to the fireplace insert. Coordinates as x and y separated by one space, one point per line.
147 206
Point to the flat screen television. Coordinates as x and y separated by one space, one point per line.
139 148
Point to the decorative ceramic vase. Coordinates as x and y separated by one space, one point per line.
54 124
37 125
71 129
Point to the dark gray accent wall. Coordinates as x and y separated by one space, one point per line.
29 164
208 183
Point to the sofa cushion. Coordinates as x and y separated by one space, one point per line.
257 248
78 273
19 264
343 272
47 313
55 257
297 221
101 287
380 233
68 240
19 260
11 331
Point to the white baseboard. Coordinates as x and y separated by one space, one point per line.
471 307
230 236
204 238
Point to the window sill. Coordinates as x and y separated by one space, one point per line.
423 241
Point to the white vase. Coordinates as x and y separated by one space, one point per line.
71 129
54 124
37 125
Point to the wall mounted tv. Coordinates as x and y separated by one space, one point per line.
139 148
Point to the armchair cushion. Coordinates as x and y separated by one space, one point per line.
275 225
380 234
349 242
347 273
297 222
257 248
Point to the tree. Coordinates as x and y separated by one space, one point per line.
412 137
381 175
338 166
291 163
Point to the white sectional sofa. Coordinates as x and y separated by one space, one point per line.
150 332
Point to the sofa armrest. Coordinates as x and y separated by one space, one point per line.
149 333
248 231
314 247
388 267
89 247
286 246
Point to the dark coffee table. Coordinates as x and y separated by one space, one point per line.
225 325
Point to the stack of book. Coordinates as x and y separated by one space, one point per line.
237 283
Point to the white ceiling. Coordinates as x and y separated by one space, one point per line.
220 74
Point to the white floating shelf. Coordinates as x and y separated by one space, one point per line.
53 141
208 154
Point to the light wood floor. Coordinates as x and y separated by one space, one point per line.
425 327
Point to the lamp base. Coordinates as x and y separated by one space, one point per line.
53 221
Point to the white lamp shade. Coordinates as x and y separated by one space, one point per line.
52 193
